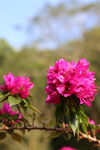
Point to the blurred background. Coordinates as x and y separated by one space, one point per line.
35 34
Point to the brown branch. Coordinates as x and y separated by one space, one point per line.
92 139
65 130
35 128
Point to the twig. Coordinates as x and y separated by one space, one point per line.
65 130
92 139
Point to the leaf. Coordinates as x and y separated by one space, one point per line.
30 96
2 135
78 132
58 113
80 109
17 137
54 135
85 129
27 100
2 95
24 106
14 101
34 108
73 122
83 118
28 103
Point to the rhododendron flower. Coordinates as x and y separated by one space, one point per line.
71 79
18 85
67 148
6 110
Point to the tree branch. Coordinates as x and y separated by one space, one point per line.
65 130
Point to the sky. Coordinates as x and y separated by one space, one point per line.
18 12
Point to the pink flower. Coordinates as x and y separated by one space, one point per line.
18 85
68 79
26 85
67 148
91 121
7 110
67 125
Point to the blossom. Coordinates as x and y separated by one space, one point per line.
67 148
68 79
18 85
92 122
7 113
67 125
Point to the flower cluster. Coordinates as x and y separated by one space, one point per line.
67 148
9 117
92 122
18 85
68 79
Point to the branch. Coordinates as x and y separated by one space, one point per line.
89 137
65 130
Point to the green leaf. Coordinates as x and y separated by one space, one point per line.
14 101
54 135
34 109
27 100
2 135
73 122
78 133
30 96
2 95
16 137
58 113
84 129
28 103
24 106
83 118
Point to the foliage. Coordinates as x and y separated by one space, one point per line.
68 109
31 62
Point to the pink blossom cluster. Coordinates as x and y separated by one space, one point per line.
7 110
92 122
18 85
67 148
71 79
